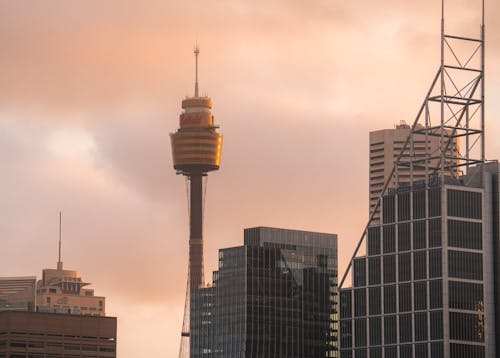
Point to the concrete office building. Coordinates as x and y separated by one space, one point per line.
17 293
275 296
386 144
426 287
49 335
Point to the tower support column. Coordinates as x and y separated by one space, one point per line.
196 230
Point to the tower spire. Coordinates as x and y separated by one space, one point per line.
59 262
196 53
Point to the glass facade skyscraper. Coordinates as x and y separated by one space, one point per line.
426 287
275 296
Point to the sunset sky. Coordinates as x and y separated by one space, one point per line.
91 89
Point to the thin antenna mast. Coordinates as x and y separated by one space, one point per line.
196 53
59 262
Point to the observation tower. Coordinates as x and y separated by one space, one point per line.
196 150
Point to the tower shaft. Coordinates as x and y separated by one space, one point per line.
196 230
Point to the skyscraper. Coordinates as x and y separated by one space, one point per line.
275 296
386 144
17 293
196 150
428 285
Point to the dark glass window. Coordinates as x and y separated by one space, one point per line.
419 204
388 209
466 351
360 302
435 294
405 331
466 296
374 241
464 204
345 303
389 238
360 353
389 299
421 350
437 350
404 267
404 237
360 332
420 295
467 265
419 235
435 264
359 272
346 334
464 234
406 350
467 327
404 206
435 232
391 352
375 301
420 327
419 265
344 353
374 270
436 323
390 334
375 331
375 352
434 202
405 297
389 269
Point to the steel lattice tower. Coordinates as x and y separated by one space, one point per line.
196 150
453 110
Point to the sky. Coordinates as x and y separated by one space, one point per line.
91 89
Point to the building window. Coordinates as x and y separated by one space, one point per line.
419 235
374 270
437 350
419 265
389 269
404 267
466 350
436 294
467 265
435 264
435 233
359 272
405 297
405 328
389 299
389 238
464 204
360 302
360 332
436 323
467 327
404 237
464 234
375 331
404 207
388 209
466 296
374 241
390 335
420 295
419 204
375 304
420 327
434 202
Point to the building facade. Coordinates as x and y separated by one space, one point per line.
385 146
17 293
63 291
275 296
48 335
426 287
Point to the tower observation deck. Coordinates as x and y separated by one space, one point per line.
196 150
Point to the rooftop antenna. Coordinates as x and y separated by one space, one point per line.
59 262
196 53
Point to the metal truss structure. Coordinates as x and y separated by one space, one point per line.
453 110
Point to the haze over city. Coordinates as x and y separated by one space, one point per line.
90 91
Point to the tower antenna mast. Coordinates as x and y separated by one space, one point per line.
196 54
59 262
